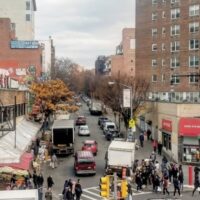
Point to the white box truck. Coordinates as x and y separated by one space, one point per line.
63 136
120 154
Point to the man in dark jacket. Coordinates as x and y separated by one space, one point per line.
50 182
141 138
176 186
78 190
196 184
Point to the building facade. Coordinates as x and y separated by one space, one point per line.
168 48
21 13
123 62
168 56
19 60
48 57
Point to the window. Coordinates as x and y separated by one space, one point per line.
166 140
194 44
163 47
175 46
163 14
193 78
175 62
154 32
154 47
154 2
194 27
175 79
12 26
194 10
175 1
193 60
163 78
154 63
175 13
154 16
163 62
163 30
28 17
28 5
132 43
175 30
154 78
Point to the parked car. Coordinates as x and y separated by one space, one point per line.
111 134
101 119
81 120
78 104
84 163
109 125
90 145
84 130
103 122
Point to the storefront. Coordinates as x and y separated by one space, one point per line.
166 132
189 130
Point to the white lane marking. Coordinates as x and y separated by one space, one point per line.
88 197
94 194
136 194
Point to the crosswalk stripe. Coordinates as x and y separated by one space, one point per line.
88 197
97 189
94 194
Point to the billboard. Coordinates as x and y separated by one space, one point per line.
126 98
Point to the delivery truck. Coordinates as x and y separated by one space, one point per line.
95 108
63 136
120 155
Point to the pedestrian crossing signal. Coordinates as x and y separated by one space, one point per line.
124 189
105 186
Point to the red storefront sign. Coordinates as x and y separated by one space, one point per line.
189 127
167 125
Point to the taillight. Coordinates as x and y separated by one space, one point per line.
94 165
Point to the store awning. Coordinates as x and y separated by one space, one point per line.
25 132
24 163
189 127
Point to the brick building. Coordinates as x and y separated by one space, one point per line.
124 60
168 55
19 60
167 52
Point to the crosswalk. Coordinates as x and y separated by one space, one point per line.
93 193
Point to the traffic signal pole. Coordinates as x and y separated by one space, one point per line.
115 186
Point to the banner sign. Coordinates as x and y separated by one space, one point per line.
126 98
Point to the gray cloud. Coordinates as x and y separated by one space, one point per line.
83 29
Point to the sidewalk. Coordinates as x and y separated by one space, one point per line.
146 151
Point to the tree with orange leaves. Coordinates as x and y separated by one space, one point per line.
51 96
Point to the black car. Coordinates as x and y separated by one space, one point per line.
101 118
111 134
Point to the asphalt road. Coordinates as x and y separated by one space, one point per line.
65 167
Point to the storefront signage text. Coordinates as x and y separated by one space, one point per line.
167 125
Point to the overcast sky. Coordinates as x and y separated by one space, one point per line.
83 29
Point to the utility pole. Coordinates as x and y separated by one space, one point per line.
115 186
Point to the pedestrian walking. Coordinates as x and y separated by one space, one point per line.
141 138
54 161
165 184
50 182
35 179
196 184
78 190
176 186
40 180
148 134
68 194
181 178
48 195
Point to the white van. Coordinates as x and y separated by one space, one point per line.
109 125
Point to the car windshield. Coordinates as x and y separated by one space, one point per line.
85 161
88 145
84 128
111 127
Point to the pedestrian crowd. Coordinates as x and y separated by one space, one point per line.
149 172
72 190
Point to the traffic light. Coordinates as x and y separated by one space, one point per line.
124 189
105 186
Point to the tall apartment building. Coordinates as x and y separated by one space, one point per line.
124 60
21 13
168 48
168 55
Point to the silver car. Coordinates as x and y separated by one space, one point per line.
83 130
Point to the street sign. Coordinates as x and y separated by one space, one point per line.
131 123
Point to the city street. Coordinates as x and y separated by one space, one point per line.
65 167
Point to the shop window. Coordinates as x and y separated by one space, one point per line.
166 140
